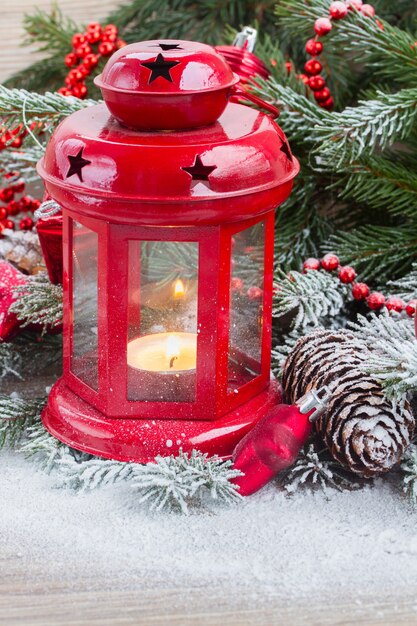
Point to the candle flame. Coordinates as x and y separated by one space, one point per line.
179 289
173 349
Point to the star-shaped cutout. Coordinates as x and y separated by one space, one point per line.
198 171
168 46
160 68
285 148
77 163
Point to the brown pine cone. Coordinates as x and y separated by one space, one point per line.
365 432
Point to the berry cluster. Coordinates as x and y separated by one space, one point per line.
13 138
322 26
87 49
360 291
11 207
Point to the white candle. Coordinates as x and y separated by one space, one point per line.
163 352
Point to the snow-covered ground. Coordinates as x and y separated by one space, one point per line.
299 546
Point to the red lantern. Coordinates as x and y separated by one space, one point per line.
241 57
161 351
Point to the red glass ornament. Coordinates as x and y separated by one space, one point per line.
6 194
338 10
360 291
322 95
275 442
330 262
314 48
313 67
10 278
375 300
322 26
393 303
311 264
3 212
13 207
347 274
411 308
368 10
196 191
26 223
71 59
316 83
9 224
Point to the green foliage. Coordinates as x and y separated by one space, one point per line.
38 301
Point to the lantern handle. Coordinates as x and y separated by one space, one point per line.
238 92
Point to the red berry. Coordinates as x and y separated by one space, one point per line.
109 35
360 291
338 10
395 304
16 143
93 26
314 48
2 227
6 194
354 4
375 300
110 27
311 264
330 262
313 67
80 90
83 50
64 91
106 48
94 36
71 59
120 43
237 284
316 83
18 186
91 60
78 39
347 274
26 223
288 66
322 26
322 95
13 208
368 10
9 224
304 78
410 309
254 293
3 212
328 104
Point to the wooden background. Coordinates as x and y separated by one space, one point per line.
13 55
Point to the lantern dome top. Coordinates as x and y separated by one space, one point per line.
144 83
93 161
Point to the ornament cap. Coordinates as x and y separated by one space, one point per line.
315 399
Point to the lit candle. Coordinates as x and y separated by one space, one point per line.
163 352
179 289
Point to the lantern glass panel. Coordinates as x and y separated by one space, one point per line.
246 306
84 358
162 321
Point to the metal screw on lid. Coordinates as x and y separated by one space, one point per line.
315 399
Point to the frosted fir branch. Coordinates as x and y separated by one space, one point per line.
409 470
38 301
16 416
18 106
84 472
173 482
405 287
393 352
314 469
10 360
23 160
313 297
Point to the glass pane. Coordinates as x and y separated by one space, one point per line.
84 358
162 337
246 306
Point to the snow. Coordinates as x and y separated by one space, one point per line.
271 543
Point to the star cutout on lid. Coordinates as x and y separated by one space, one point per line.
198 171
168 46
285 148
77 163
160 68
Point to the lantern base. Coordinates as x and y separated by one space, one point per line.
79 425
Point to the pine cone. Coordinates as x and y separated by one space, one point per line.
365 432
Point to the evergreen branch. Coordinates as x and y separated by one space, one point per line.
53 30
409 469
405 287
393 352
38 301
172 482
313 297
10 360
16 415
18 105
